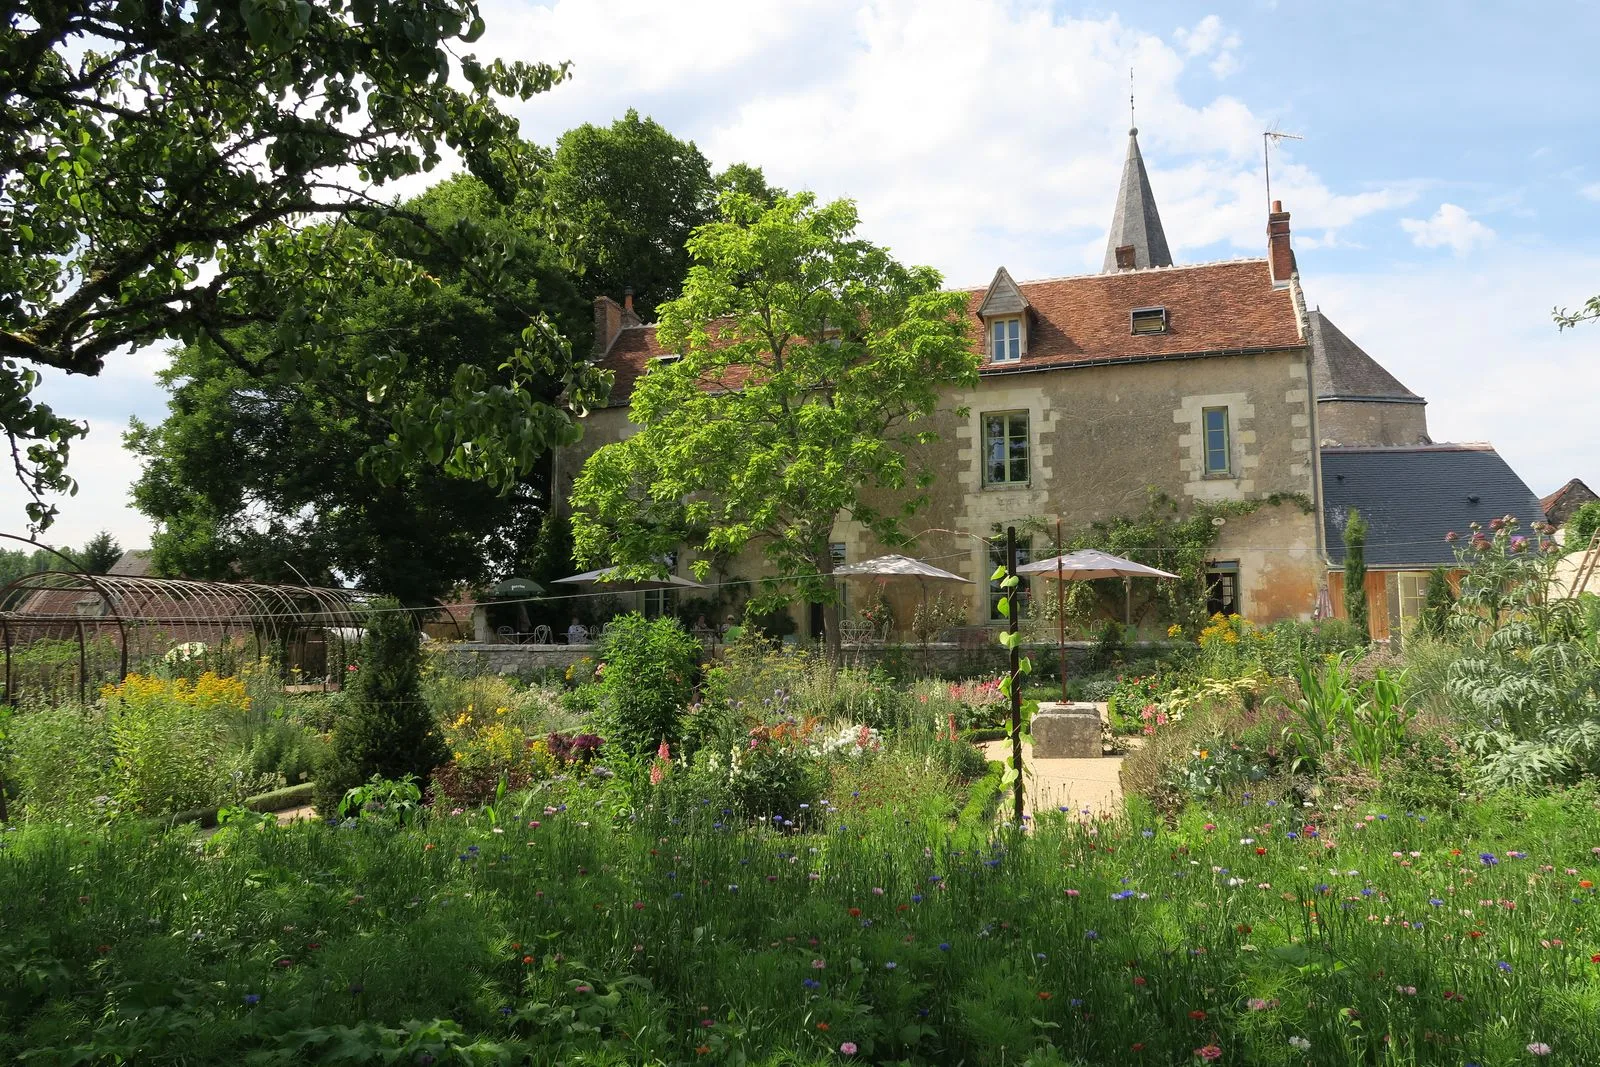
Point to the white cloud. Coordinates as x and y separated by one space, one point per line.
1452 226
1209 38
1590 191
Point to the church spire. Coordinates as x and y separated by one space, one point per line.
1136 224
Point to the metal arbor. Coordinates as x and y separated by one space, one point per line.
114 623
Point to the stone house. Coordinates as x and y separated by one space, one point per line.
1206 382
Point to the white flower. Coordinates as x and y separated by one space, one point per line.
1300 1043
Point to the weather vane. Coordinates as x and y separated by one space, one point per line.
1132 125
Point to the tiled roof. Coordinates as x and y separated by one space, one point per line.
1212 309
1341 370
1560 504
1411 497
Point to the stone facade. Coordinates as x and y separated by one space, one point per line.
1373 422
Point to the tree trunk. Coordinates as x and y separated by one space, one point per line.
832 640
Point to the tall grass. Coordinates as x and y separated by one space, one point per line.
558 934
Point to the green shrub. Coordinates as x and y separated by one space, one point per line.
385 728
60 759
650 668
287 749
1580 528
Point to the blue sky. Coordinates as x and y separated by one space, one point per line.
1445 198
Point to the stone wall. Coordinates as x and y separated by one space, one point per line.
1353 422
509 659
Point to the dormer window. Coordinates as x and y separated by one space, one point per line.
1005 336
1148 320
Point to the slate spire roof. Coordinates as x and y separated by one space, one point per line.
1136 221
1340 370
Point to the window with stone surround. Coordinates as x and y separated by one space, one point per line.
1413 595
1005 340
1217 441
1005 448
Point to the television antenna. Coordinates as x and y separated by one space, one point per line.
1268 139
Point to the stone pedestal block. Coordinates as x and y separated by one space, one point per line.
1066 731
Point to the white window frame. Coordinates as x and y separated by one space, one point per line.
1227 441
1417 597
839 552
1007 340
1008 434
1024 597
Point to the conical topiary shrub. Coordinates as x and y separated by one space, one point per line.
385 727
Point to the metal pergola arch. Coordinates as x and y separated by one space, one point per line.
138 613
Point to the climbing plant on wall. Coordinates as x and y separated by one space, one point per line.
1164 534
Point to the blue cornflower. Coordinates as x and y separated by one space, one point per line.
1368 891
916 898
1435 901
1504 966
944 946
1488 858
890 965
1076 1002
811 983
252 998
1292 836
1147 833
733 889
505 1011
1091 935
1383 818
1124 895
1322 887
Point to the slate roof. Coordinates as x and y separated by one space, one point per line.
1412 496
1213 309
1340 370
1136 221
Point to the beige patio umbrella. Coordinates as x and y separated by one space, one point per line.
896 566
1086 565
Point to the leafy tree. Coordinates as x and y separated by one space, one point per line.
811 362
1580 527
100 554
629 195
280 479
18 562
648 682
385 727
1355 574
155 160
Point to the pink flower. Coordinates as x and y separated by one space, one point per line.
1539 1048
1209 1053
848 1048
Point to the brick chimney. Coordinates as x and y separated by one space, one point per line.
1280 254
1126 259
628 317
607 324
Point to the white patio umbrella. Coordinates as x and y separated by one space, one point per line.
606 578
1086 565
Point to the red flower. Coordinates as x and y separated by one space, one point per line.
1261 851
855 913
1243 928
1138 1046
1197 1015
1043 995
823 1027
527 959
1595 958
1138 979
1474 934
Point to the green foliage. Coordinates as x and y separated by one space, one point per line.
384 728
360 945
629 195
274 480
1438 604
650 669
153 176
1528 677
1580 527
59 759
1334 710
397 803
1355 574
840 355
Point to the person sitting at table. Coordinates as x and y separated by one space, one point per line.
576 634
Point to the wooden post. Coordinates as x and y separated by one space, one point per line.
1016 671
1061 617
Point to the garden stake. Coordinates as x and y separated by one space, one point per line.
1061 617
1016 693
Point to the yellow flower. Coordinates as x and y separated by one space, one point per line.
1205 754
